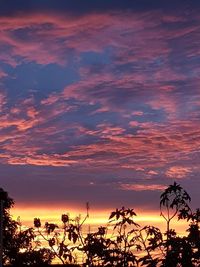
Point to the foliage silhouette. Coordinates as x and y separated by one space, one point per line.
19 248
121 243
63 241
121 246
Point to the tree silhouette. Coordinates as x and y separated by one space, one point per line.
174 201
18 244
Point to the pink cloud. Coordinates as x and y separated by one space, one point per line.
128 39
67 31
178 172
2 74
134 123
142 187
106 88
137 113
154 144
2 100
128 33
42 160
151 172
105 130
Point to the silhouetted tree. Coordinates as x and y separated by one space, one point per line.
174 201
18 245
124 227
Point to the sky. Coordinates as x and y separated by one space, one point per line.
99 102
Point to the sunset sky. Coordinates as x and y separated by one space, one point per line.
99 102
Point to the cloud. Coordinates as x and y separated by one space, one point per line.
178 172
57 37
143 187
137 113
2 74
2 100
39 134
134 123
42 160
152 172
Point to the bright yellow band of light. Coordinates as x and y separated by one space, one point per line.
96 217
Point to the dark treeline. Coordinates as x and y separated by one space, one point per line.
121 243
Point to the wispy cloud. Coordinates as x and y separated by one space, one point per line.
178 172
143 187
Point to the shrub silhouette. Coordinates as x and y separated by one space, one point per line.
121 243
65 240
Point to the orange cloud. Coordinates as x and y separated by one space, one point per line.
42 160
178 172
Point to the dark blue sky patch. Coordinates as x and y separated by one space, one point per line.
31 78
78 7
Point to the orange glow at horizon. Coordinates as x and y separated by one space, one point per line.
97 217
